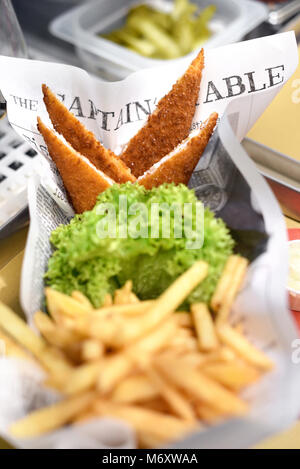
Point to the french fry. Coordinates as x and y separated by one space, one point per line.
58 318
233 375
130 309
146 441
58 336
117 333
208 414
91 350
74 353
161 426
183 319
152 343
157 404
79 296
82 378
133 298
55 362
198 359
109 330
82 417
177 401
196 384
59 303
122 296
113 370
233 290
225 354
128 286
221 355
12 349
224 283
108 301
50 418
244 348
125 295
239 327
120 365
64 321
206 334
18 330
194 359
134 389
187 344
228 286
177 292
185 332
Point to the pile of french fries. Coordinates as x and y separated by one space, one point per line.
164 372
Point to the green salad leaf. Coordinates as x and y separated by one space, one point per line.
96 265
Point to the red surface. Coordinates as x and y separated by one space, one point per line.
294 233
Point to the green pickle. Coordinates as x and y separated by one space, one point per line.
160 35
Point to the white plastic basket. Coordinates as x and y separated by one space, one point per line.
81 25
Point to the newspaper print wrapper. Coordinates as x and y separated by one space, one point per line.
239 82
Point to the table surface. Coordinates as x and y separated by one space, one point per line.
292 223
11 250
11 246
274 132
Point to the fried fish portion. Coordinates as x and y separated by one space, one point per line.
81 179
84 141
169 124
179 165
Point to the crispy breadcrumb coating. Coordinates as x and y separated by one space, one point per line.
84 141
178 166
82 180
169 124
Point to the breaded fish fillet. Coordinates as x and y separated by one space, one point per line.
169 124
82 180
84 141
179 165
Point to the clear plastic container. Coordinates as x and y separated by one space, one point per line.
82 25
